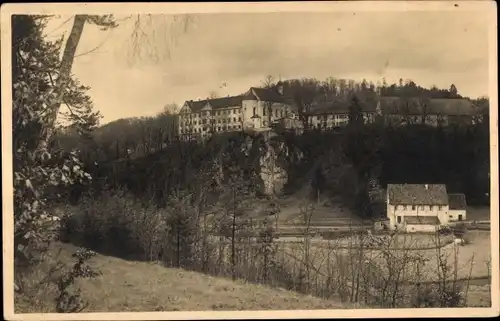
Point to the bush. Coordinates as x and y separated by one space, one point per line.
114 223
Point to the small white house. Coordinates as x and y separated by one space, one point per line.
417 207
458 207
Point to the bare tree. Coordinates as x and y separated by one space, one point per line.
213 94
268 82
424 106
154 35
105 22
303 98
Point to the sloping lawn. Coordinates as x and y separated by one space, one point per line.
128 286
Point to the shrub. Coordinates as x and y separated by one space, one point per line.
114 223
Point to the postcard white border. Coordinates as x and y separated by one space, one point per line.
489 9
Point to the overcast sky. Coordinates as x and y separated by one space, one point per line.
431 48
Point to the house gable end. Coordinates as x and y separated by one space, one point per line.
255 94
186 109
207 106
249 95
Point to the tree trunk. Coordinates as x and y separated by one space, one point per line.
233 234
62 79
178 248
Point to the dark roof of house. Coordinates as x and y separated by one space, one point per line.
433 106
216 103
340 106
422 220
417 194
326 108
457 201
268 94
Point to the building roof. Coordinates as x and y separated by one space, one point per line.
422 220
457 201
340 106
434 106
265 94
216 103
327 108
417 194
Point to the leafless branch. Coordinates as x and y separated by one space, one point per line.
153 36
62 24
97 47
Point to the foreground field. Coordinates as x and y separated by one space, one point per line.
332 260
127 286
472 259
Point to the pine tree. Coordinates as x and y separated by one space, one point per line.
38 169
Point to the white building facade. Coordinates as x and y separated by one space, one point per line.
417 207
258 108
458 207
329 115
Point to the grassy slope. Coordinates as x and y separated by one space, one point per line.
138 286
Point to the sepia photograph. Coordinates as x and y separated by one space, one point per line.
249 160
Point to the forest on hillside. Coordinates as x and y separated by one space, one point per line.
146 149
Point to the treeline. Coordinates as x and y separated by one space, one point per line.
123 138
409 88
139 137
455 156
347 163
306 90
146 156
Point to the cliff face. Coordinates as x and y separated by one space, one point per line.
274 176
275 157
268 156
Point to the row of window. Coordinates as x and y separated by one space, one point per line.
460 218
227 112
328 126
213 121
327 117
419 208
202 130
233 111
277 112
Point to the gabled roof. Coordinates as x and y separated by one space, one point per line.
216 103
417 194
433 106
327 108
262 94
457 201
367 104
186 108
422 220
265 94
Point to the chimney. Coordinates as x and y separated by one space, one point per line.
426 186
